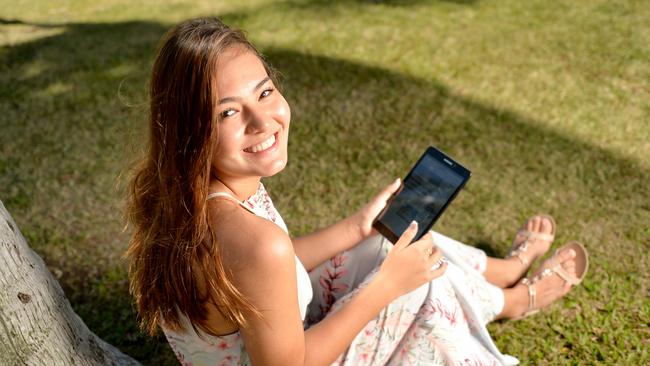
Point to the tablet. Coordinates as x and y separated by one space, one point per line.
425 193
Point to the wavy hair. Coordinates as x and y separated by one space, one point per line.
174 258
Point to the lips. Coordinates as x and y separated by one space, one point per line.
262 146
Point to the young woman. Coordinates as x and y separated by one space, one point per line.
212 263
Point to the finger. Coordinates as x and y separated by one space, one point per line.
385 194
424 244
438 272
407 236
435 256
391 188
437 264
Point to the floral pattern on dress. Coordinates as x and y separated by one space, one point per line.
429 326
261 204
332 286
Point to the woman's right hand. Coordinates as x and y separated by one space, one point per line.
408 266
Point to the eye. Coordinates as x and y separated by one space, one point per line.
227 113
266 93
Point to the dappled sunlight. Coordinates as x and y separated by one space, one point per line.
33 69
53 90
121 71
13 32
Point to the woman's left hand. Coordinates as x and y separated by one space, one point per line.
365 217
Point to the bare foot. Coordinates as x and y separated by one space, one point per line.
532 240
546 286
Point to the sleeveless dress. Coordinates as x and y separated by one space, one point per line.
440 323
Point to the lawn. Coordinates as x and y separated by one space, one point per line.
548 103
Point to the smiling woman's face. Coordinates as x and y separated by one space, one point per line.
253 118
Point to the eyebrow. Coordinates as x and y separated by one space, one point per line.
232 99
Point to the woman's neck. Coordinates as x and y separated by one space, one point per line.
241 188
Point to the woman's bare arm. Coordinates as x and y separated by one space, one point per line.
261 259
316 248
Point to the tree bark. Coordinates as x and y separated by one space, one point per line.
37 323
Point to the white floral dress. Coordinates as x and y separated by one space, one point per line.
440 323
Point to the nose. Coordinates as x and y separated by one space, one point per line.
257 120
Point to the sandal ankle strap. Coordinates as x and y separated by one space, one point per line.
524 261
532 296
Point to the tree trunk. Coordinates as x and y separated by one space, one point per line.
37 323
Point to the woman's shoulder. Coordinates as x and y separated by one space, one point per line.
247 236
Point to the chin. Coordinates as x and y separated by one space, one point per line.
275 169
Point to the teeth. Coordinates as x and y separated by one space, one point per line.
263 146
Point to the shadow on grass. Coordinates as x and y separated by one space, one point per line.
20 22
65 126
354 128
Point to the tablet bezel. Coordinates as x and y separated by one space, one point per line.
446 161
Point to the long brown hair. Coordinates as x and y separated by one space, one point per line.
175 261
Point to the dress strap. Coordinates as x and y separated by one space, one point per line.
229 197
223 194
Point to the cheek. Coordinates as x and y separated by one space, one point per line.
283 111
228 141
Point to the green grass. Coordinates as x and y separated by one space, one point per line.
547 104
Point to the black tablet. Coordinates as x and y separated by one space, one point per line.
427 190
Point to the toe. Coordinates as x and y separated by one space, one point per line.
537 221
530 224
546 226
566 255
570 268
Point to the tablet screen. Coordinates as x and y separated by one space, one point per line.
425 193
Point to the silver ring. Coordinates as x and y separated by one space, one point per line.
438 263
